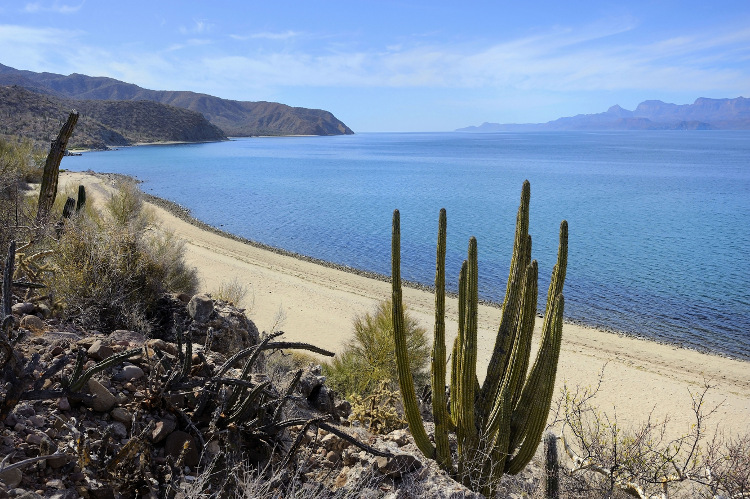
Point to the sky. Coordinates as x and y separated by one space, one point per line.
398 65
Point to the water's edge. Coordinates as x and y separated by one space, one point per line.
185 215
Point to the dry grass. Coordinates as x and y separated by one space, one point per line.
108 268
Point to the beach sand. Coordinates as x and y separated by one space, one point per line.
317 304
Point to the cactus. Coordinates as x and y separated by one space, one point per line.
551 467
81 198
499 424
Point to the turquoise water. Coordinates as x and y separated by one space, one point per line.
659 221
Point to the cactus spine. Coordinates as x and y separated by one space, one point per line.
499 424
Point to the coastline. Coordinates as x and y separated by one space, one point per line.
318 300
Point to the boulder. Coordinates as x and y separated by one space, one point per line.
200 308
103 400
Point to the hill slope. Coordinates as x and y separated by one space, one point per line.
703 114
235 118
102 124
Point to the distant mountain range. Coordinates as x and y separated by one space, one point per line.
703 114
234 118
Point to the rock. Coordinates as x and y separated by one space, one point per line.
43 310
33 323
97 490
322 400
230 331
63 404
58 462
119 430
164 346
129 373
11 478
29 495
37 421
343 409
310 380
162 429
99 351
398 465
200 308
121 415
22 309
174 445
127 337
103 401
400 437
55 484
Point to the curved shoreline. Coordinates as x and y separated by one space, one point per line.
184 214
316 302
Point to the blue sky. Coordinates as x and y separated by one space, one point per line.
398 65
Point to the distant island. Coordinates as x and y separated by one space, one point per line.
703 114
232 118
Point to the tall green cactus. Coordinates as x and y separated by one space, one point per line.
499 424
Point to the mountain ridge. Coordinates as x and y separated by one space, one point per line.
102 124
703 114
235 118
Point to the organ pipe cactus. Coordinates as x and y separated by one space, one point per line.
499 424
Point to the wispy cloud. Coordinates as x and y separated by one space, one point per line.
56 7
607 56
199 27
267 35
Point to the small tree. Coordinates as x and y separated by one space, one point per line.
369 357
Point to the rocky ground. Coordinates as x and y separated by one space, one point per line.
121 415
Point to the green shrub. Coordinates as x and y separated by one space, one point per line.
109 269
369 357
20 163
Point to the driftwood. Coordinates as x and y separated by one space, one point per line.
48 190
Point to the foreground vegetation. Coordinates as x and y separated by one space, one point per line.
105 269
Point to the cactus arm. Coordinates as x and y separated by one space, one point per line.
519 360
458 351
77 382
405 380
549 354
468 359
526 324
81 198
440 411
508 321
558 272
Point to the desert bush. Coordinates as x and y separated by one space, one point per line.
615 460
369 357
109 269
20 163
231 292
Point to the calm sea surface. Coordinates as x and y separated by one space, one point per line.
659 221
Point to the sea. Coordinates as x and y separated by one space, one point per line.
659 221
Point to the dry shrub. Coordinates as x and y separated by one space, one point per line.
20 163
615 460
110 268
231 292
370 356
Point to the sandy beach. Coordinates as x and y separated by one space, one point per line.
317 304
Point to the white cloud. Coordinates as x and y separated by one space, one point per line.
608 56
267 35
199 27
56 7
